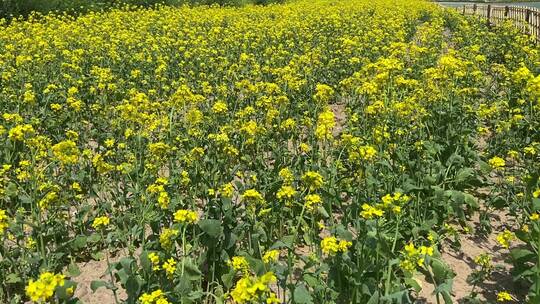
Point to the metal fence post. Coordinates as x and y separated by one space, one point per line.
489 15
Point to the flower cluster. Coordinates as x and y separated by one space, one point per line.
414 257
155 297
42 289
313 180
505 238
255 290
496 162
3 221
185 216
100 222
158 188
332 245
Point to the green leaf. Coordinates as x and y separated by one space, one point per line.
286 242
302 295
25 199
195 295
11 189
211 227
13 278
95 285
73 270
94 238
323 212
133 286
522 256
183 286
374 299
413 283
79 242
499 202
397 297
97 256
441 271
343 233
471 201
536 204
191 270
230 240
146 264
122 276
126 263
62 291
484 167
463 175
228 278
445 290
311 280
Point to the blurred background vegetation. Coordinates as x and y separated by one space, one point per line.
17 8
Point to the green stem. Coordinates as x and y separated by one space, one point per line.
183 248
114 288
389 273
538 271
434 283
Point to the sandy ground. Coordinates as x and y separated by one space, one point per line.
92 271
462 263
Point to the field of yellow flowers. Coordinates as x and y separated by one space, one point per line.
312 152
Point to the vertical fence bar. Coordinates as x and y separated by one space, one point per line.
528 20
488 15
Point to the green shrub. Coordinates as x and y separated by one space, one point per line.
14 8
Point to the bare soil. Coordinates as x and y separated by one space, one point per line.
462 263
95 271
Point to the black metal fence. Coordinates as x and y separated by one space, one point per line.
525 18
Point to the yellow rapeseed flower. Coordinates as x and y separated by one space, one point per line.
313 180
252 196
497 162
325 125
170 267
4 221
323 93
332 245
100 222
43 288
185 216
271 256
239 263
370 212
154 259
505 238
311 201
155 297
254 290
504 296
286 193
21 132
166 238
66 152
